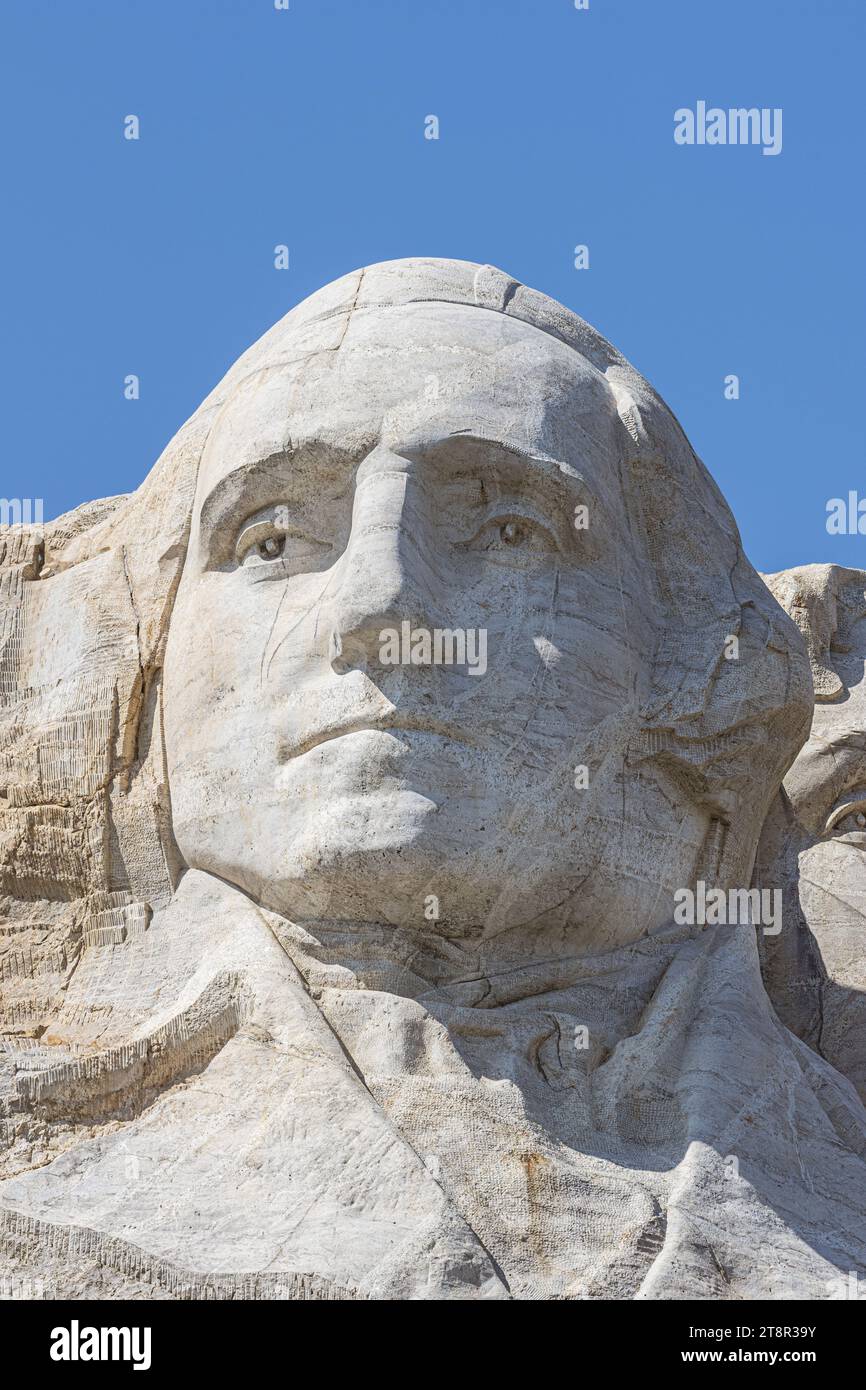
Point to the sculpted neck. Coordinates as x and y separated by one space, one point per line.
485 972
479 971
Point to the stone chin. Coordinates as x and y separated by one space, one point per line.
354 831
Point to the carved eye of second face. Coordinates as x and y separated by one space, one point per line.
847 821
513 537
512 533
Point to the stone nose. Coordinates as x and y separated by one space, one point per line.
386 578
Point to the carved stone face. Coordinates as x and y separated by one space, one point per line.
426 474
827 790
815 841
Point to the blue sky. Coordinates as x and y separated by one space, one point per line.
306 127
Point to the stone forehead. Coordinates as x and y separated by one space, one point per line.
319 323
426 366
825 602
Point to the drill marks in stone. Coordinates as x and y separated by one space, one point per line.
116 925
26 1238
128 1077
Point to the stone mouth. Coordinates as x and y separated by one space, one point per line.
404 724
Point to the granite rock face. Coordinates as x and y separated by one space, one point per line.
352 770
812 847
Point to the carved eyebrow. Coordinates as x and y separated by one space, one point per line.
470 443
265 481
253 486
564 484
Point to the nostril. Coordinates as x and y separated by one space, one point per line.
335 654
345 657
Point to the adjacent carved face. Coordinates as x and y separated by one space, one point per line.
426 477
827 790
815 843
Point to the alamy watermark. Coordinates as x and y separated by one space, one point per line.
440 647
23 513
77 1343
714 907
846 517
14 1287
850 1286
738 125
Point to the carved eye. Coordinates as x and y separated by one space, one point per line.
512 533
272 548
504 537
261 543
275 544
848 821
850 824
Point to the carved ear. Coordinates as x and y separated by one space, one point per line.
729 700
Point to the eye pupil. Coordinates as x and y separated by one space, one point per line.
860 818
272 548
510 533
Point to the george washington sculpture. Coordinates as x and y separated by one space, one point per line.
333 974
